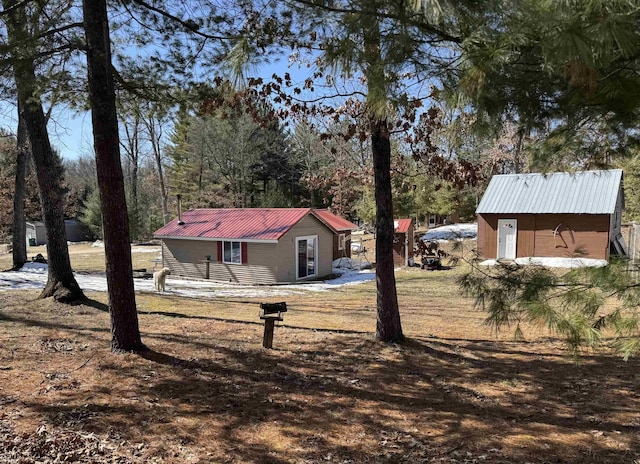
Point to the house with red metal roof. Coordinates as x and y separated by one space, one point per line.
254 245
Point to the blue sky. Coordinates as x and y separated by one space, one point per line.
71 133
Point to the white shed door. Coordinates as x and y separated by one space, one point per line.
507 233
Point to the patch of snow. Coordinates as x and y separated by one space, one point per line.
145 249
37 268
451 232
33 276
98 244
341 264
567 263
350 278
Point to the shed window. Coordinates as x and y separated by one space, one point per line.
232 252
341 241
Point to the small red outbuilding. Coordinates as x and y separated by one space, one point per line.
402 242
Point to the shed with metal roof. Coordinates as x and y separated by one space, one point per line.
560 214
252 245
403 242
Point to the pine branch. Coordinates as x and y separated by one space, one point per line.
190 26
64 28
445 36
14 7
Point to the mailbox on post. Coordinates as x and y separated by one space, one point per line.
270 313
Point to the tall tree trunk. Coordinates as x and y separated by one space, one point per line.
19 239
154 138
388 326
61 283
132 152
517 157
125 332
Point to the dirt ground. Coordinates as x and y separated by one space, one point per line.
206 391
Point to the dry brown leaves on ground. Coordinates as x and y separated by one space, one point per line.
207 392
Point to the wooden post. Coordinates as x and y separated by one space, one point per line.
267 339
271 312
208 263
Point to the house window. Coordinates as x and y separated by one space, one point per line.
341 242
232 252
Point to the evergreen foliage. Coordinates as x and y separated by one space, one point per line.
226 157
588 307
565 70
631 169
91 214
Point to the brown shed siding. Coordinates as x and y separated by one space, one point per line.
346 253
580 235
488 234
398 250
584 235
399 246
486 243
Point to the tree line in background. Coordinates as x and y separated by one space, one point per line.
228 159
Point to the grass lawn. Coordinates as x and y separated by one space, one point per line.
206 391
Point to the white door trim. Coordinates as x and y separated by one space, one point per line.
315 257
506 248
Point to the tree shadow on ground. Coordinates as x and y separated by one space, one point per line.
320 397
255 389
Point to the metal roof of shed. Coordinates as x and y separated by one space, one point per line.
585 192
401 226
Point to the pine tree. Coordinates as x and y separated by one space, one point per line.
125 332
61 283
384 45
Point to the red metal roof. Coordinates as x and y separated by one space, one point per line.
243 223
403 225
334 222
